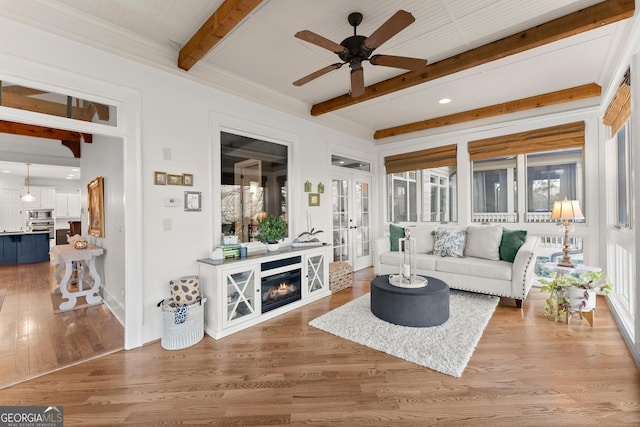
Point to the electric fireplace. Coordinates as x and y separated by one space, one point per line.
282 287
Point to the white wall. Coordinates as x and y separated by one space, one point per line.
186 118
104 158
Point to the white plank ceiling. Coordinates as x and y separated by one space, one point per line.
261 58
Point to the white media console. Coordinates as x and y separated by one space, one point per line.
242 292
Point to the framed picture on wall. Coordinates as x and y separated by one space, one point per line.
187 179
160 178
192 201
314 199
174 179
95 206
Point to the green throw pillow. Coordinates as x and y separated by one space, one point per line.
395 232
510 244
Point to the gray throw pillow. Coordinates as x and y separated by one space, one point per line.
449 242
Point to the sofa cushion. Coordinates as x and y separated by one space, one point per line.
424 238
511 242
395 232
449 242
483 241
475 267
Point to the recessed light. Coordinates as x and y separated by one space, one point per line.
75 170
341 162
6 171
445 101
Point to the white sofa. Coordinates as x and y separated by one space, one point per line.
477 271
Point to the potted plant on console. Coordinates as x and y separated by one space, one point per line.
569 294
271 231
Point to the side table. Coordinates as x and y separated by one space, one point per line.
561 270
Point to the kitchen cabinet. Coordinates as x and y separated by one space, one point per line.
23 248
67 205
242 292
45 198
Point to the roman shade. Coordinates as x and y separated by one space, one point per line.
423 159
619 109
547 139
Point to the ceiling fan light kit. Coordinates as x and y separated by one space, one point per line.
357 48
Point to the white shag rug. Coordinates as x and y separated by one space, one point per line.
445 348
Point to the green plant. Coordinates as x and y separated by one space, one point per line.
558 301
271 229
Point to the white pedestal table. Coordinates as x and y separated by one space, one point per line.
88 282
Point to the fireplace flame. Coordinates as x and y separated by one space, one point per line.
282 288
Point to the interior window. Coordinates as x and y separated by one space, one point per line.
254 183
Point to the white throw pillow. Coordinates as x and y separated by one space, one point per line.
483 241
424 238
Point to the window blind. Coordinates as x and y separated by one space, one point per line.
619 109
423 159
546 139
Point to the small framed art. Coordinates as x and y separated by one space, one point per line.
314 199
174 179
192 201
160 178
187 179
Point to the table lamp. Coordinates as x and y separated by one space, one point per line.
565 211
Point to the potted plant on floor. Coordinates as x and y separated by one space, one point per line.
271 231
570 294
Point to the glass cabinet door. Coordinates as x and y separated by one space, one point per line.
240 294
316 279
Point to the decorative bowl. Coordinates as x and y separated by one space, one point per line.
81 244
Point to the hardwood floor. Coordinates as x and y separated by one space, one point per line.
35 340
526 371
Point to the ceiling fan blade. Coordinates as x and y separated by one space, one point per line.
357 82
318 40
398 22
317 74
404 62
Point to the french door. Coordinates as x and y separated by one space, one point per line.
351 195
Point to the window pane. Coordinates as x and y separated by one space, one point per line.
402 197
623 176
56 104
551 177
439 194
494 190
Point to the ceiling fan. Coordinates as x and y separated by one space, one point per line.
355 49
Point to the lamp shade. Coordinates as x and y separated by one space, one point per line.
28 198
567 209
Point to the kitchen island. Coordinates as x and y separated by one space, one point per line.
23 247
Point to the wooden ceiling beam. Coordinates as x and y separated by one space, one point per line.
552 98
70 139
592 17
220 23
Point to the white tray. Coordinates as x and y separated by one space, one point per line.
418 281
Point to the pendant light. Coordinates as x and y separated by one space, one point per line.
28 197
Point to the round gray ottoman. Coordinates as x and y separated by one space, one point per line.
426 306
